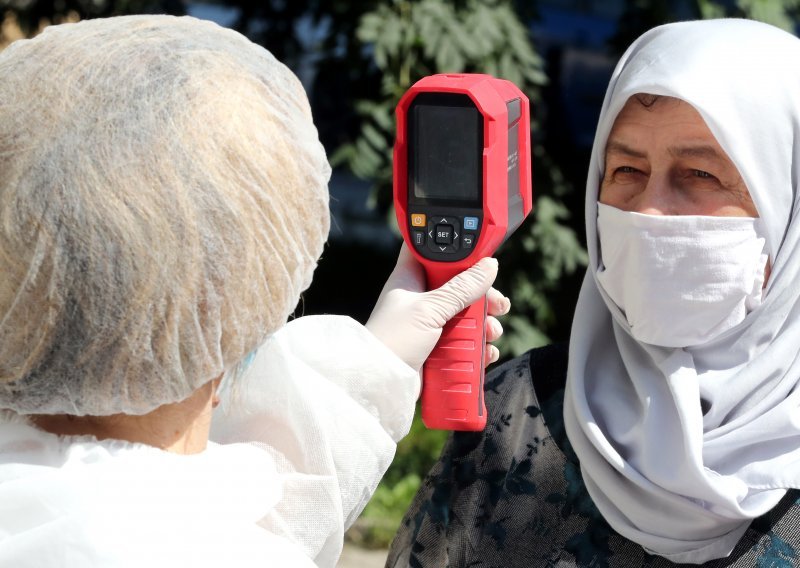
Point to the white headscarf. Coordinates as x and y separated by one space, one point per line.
681 448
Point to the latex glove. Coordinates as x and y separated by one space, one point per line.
409 320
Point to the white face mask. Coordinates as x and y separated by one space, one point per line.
680 280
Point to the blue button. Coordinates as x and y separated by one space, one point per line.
470 223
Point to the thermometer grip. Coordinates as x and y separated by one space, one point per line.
452 376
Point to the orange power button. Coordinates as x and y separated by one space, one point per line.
417 219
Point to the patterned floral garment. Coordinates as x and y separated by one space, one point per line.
513 497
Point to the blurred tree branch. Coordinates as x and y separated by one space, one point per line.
409 39
31 16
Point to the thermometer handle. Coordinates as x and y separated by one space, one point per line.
452 376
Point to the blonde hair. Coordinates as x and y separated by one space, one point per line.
163 202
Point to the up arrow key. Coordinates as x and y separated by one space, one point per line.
443 220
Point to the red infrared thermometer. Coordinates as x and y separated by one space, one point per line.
462 185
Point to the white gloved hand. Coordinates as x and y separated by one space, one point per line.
409 321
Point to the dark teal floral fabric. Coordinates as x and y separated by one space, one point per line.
512 496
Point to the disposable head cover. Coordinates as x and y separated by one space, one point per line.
163 202
681 448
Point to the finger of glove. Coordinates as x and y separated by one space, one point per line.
407 274
490 355
497 304
460 291
493 329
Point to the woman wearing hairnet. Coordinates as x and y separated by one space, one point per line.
163 203
679 439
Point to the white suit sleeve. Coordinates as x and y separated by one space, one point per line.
328 402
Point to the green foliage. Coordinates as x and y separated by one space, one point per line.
378 524
709 9
410 39
641 15
416 453
31 14
780 13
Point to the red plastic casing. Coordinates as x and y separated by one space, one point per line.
452 392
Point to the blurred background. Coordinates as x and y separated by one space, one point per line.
356 58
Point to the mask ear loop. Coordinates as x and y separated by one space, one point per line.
228 389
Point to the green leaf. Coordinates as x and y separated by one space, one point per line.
449 59
369 27
520 336
342 155
375 138
709 9
770 11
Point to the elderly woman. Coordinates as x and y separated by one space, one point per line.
163 203
679 440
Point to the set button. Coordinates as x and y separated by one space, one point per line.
443 234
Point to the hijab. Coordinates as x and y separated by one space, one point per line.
681 448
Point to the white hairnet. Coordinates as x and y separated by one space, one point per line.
163 202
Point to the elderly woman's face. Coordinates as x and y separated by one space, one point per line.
662 159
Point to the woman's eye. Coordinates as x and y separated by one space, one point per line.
626 170
702 174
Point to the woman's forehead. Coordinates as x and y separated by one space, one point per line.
646 121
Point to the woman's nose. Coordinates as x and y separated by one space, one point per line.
657 198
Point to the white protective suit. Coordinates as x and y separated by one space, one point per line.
299 446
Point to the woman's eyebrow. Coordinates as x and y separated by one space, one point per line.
684 151
696 151
617 147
